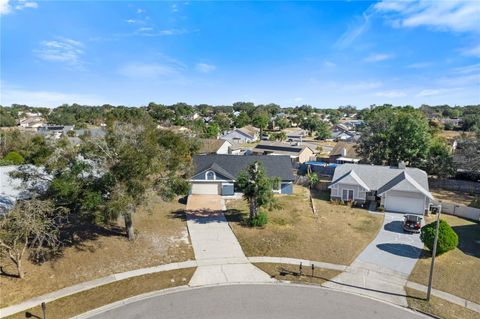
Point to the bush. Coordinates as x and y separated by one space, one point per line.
380 208
447 238
260 220
14 158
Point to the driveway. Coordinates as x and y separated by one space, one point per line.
383 267
202 203
218 253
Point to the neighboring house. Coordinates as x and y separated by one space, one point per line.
217 174
214 146
340 128
344 152
55 131
399 189
32 122
246 134
298 153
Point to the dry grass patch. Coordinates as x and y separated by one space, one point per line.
162 238
457 271
337 235
91 299
292 273
438 307
452 196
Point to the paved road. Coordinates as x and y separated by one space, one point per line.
259 301
381 270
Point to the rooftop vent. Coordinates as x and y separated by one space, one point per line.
402 165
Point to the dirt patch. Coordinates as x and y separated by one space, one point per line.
292 273
452 196
162 238
337 235
91 299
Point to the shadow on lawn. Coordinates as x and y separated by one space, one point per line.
282 272
469 239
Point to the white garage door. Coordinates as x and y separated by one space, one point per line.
205 189
401 204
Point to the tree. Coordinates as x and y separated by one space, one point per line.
280 136
261 120
212 131
242 119
257 188
311 124
323 131
13 158
136 158
222 120
447 238
283 123
33 224
313 179
391 135
440 159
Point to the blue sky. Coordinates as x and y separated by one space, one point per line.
320 53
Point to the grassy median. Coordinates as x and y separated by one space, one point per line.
91 299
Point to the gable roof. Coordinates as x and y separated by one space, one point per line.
210 145
385 178
281 148
349 147
275 166
249 130
351 178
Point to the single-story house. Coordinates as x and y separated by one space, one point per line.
398 189
344 152
298 153
246 134
214 146
217 174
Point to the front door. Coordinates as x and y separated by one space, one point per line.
347 194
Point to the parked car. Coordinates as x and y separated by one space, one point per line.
412 223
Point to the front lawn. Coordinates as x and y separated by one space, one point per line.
457 271
337 235
162 238
438 307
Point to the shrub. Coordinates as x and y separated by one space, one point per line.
380 208
447 238
14 158
260 220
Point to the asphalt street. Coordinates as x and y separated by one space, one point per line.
258 301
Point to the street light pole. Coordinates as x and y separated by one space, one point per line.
434 252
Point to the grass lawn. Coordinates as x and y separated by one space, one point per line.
457 271
452 196
438 307
162 238
91 299
337 235
291 273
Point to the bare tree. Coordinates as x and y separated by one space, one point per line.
32 225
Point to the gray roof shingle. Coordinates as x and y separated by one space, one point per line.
275 166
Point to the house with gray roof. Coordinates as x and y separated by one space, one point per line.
217 174
246 134
398 189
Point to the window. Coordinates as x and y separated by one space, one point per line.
347 194
210 176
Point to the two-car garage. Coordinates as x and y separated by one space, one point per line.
405 202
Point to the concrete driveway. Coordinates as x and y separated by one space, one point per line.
201 203
382 269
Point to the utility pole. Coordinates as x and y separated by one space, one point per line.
434 252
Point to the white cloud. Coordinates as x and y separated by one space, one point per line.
360 26
61 50
47 98
149 70
205 68
458 16
298 99
140 11
378 57
391 94
428 92
419 65
472 51
174 8
329 64
7 6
